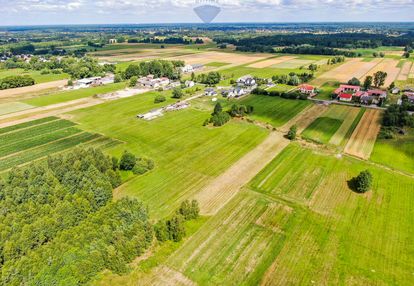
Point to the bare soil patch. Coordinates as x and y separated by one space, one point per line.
225 187
363 139
14 92
405 71
271 62
231 58
386 65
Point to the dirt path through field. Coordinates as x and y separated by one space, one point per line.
225 187
363 139
305 118
14 92
47 111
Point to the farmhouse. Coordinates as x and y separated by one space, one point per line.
347 97
246 80
88 82
234 92
151 82
191 68
189 83
210 92
344 88
307 89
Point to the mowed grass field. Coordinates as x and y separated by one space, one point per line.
187 155
299 223
65 96
274 110
34 140
36 75
335 126
396 153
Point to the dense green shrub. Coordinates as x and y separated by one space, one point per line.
159 98
127 162
16 81
363 182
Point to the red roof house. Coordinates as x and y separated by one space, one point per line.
347 88
345 97
306 88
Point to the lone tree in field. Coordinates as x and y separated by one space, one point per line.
292 132
379 78
128 161
363 182
133 81
177 93
368 82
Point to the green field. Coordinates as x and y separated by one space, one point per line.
396 153
36 75
65 96
326 90
322 129
298 223
37 139
185 153
274 110
10 107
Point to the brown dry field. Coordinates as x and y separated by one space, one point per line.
387 65
351 68
163 276
142 54
305 118
363 139
405 71
271 62
225 187
231 58
15 92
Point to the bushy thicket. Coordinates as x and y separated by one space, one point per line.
293 78
212 78
173 229
16 81
59 226
397 116
286 95
139 166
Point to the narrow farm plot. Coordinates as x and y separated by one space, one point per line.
351 68
363 139
411 75
293 64
10 107
35 140
232 58
405 71
322 129
386 65
350 116
271 62
226 186
274 110
187 155
305 118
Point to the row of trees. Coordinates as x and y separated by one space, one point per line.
219 117
16 81
336 60
378 80
283 94
158 68
210 79
293 78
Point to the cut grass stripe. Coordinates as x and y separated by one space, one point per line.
45 150
27 124
11 138
6 150
353 126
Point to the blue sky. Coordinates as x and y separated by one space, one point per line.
39 12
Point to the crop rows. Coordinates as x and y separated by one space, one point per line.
11 138
45 150
26 124
31 142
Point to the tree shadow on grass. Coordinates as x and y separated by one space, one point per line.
353 186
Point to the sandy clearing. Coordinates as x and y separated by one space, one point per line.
305 118
351 68
165 276
405 71
387 65
225 187
47 111
363 139
14 92
271 62
231 58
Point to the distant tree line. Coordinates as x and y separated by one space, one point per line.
293 78
158 68
167 40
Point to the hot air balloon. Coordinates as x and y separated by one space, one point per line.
207 10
